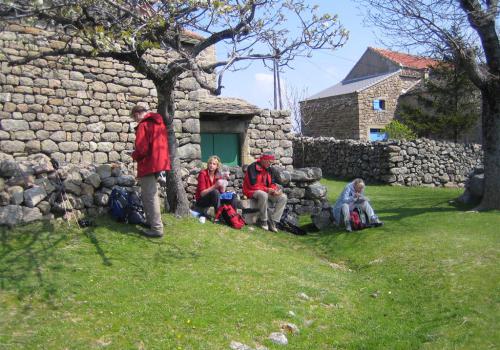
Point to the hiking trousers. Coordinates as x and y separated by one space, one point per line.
263 199
151 200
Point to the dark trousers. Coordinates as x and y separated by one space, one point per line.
212 199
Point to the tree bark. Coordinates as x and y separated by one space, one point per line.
491 147
176 194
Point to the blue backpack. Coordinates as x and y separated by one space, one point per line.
126 206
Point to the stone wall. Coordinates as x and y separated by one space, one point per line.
418 163
387 90
77 109
335 116
32 189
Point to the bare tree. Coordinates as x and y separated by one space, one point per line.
468 31
293 97
126 30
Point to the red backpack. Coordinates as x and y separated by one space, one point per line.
358 219
230 216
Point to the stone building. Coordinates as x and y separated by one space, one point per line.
366 100
77 109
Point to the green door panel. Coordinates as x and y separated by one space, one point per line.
226 146
207 146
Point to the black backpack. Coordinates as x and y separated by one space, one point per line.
126 207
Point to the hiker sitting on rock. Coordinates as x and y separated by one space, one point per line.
211 183
352 194
258 184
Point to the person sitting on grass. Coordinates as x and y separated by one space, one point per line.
259 185
211 183
352 194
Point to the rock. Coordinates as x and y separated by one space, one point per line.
4 198
239 346
126 180
71 187
304 296
11 215
278 338
323 219
288 327
34 195
283 177
104 171
16 195
306 174
45 184
8 168
31 214
101 199
475 185
109 182
315 191
93 179
44 207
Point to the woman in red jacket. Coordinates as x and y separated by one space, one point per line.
210 185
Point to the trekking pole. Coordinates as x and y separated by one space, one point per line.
66 203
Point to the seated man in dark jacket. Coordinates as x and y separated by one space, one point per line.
258 184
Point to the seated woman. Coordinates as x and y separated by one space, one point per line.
210 186
353 193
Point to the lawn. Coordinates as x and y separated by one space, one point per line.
427 279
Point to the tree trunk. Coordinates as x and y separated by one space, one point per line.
491 147
176 193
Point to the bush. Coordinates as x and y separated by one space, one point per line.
396 130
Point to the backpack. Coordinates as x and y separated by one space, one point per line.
358 219
126 207
230 216
118 202
287 224
135 210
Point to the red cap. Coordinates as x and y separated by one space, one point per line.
267 156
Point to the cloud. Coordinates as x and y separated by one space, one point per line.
264 80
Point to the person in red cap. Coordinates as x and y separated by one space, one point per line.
152 157
259 185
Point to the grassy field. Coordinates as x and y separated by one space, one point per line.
428 279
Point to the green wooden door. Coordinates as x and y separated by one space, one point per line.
226 146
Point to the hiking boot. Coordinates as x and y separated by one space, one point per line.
375 221
263 225
152 234
272 226
348 227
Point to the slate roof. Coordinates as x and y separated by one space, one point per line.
406 60
350 86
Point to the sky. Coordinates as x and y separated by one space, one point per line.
312 75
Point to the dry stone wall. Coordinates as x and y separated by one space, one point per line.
32 189
417 163
76 110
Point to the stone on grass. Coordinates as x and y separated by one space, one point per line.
304 296
31 214
288 327
11 215
278 338
239 346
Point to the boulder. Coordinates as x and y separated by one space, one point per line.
11 215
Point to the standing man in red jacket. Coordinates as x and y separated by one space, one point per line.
152 157
259 185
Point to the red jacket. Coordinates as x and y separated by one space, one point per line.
204 182
257 178
151 145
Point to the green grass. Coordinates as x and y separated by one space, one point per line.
427 279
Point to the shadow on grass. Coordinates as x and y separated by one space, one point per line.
24 257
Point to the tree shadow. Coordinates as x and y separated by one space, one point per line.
24 256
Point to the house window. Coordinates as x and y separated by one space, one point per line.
378 135
379 105
226 146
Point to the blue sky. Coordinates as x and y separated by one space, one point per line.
323 69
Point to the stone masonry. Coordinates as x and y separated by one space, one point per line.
417 163
77 109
